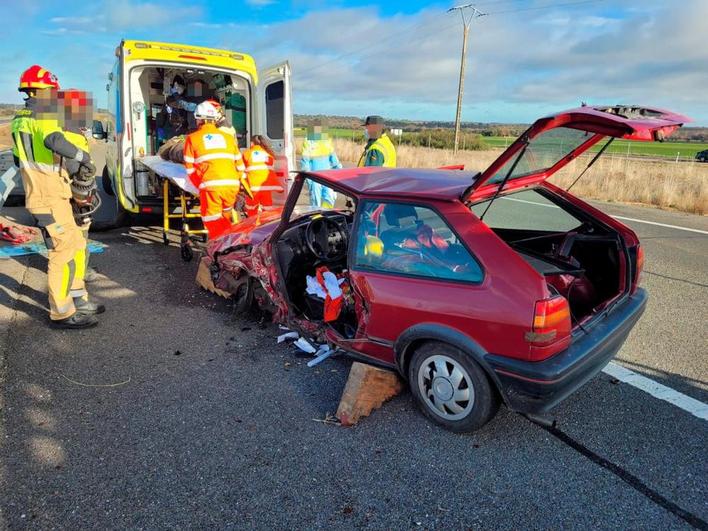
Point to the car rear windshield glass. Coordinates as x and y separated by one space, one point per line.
542 153
528 210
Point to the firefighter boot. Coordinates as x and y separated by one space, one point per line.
78 320
88 307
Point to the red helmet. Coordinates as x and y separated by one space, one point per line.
36 77
74 98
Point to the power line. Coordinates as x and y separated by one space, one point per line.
550 6
416 25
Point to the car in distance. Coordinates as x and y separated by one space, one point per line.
480 288
702 156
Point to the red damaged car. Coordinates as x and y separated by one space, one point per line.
479 288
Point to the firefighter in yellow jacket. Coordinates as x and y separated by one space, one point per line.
215 166
75 114
39 149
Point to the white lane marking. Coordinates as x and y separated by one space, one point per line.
661 224
529 202
657 390
677 227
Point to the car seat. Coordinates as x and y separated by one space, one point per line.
402 221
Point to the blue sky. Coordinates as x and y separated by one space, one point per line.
396 58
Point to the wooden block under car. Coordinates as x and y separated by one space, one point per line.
367 388
204 280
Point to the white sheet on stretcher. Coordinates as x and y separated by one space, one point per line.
176 173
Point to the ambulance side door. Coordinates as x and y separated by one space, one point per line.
275 120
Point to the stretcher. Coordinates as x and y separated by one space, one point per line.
177 188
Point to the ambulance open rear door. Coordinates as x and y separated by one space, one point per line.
275 120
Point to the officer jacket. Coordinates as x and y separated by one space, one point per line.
379 152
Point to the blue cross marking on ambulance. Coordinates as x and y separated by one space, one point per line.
209 137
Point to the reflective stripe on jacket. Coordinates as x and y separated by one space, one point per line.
212 158
28 134
259 170
40 167
384 146
318 155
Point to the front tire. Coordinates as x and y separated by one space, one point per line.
451 389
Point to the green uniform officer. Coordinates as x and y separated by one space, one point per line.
379 150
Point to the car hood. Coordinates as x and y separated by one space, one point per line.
251 231
554 141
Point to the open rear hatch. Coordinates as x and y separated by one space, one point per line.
552 142
583 254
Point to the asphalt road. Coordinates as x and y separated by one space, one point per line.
174 413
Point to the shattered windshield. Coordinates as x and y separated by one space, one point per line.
543 152
315 197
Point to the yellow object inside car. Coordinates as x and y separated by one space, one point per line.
374 246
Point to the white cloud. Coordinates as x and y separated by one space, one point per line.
547 59
128 14
519 65
122 15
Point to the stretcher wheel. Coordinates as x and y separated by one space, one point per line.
165 239
186 252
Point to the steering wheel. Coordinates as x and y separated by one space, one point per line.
326 239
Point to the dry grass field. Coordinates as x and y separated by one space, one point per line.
681 186
5 138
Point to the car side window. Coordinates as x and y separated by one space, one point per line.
411 240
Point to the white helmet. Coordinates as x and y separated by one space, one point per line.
208 110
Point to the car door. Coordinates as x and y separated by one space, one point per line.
274 117
408 266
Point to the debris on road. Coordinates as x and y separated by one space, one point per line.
204 280
329 419
17 234
367 389
304 345
322 354
13 250
287 335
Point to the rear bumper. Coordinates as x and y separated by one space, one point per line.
536 387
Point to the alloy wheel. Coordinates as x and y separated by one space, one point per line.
446 387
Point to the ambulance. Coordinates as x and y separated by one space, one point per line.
144 75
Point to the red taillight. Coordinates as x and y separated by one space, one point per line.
146 209
640 264
551 328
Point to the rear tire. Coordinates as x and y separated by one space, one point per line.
110 215
451 388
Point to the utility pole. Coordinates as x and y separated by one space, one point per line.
466 21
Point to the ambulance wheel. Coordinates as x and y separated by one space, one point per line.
187 253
